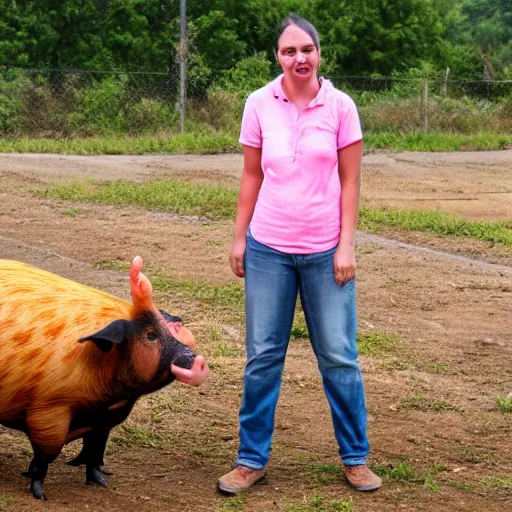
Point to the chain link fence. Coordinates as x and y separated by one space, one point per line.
79 103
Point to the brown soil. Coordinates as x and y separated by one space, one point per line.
431 397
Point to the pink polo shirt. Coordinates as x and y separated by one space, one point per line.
298 207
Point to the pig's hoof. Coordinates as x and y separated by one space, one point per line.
95 476
77 461
36 487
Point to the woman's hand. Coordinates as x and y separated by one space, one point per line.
344 264
195 376
236 258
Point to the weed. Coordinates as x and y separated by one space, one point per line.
395 364
131 435
470 454
299 331
121 266
498 483
372 343
73 212
5 501
224 350
463 486
235 503
318 503
420 403
436 368
324 473
505 403
403 471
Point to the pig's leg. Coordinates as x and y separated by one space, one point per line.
39 469
92 456
94 448
30 469
95 442
47 428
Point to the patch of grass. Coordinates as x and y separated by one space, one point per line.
324 473
470 454
418 141
498 483
395 364
505 404
132 435
234 503
73 212
463 486
210 201
121 145
440 223
224 142
436 368
120 266
224 350
372 343
404 472
321 504
421 403
299 331
5 501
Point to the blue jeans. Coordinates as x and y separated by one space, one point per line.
272 281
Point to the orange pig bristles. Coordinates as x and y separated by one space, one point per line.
41 321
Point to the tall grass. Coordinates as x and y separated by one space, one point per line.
198 143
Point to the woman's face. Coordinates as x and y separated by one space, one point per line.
297 54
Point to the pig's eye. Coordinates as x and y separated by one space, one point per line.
151 336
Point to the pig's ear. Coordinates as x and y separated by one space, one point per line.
141 289
114 332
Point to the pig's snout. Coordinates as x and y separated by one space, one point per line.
184 359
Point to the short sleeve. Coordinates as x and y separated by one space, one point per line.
349 128
250 132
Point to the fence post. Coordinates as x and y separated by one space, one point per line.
183 62
425 105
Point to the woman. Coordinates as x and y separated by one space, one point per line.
295 233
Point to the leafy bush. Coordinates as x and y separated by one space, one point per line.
248 75
100 106
149 115
11 104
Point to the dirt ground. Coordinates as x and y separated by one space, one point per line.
431 395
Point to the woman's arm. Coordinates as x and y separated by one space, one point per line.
349 168
252 178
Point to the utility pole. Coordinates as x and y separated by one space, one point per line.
183 62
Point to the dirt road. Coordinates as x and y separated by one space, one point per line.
437 433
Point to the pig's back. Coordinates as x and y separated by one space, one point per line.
42 316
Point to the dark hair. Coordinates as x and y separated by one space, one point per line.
302 23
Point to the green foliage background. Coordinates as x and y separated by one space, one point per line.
359 37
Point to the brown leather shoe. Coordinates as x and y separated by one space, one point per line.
238 480
362 478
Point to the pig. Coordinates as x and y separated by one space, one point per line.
74 360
